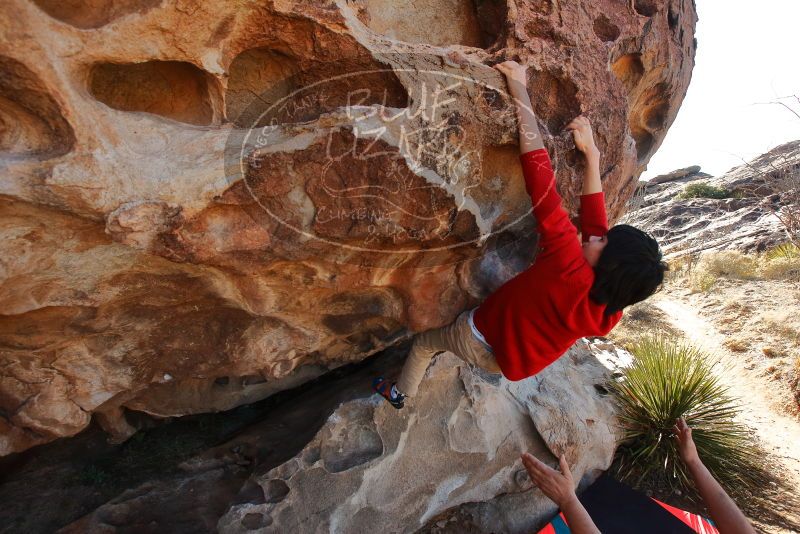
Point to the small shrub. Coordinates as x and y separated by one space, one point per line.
729 263
769 352
781 269
781 263
668 380
704 190
641 317
795 383
701 281
679 267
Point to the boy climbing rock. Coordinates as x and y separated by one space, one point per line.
573 289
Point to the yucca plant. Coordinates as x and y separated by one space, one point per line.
671 379
785 251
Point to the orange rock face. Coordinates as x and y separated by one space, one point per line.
204 203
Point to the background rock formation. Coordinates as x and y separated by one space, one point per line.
206 203
744 221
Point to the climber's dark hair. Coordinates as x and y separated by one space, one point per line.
629 269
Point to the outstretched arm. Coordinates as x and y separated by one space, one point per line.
529 137
559 487
557 235
540 181
594 220
726 515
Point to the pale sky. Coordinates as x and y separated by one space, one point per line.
746 53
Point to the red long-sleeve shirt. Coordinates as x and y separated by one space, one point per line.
532 319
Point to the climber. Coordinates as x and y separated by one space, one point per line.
572 290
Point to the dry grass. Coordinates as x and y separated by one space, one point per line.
637 320
781 263
784 324
737 345
780 269
701 281
729 264
701 273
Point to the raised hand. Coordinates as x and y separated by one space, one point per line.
727 516
686 445
513 71
581 130
529 137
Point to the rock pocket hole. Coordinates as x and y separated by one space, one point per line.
354 446
646 8
93 13
268 87
601 389
644 142
255 521
275 490
649 115
673 17
629 70
656 115
556 99
172 89
31 122
435 22
251 493
260 75
522 479
606 30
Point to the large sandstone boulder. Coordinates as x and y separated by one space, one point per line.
204 203
451 457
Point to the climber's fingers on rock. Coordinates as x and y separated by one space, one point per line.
577 123
511 69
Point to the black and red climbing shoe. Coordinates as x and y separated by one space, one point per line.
389 392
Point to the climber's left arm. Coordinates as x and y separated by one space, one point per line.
593 217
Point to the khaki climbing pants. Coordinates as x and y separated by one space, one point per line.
457 338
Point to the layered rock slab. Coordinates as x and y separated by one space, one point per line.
746 221
205 205
452 455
